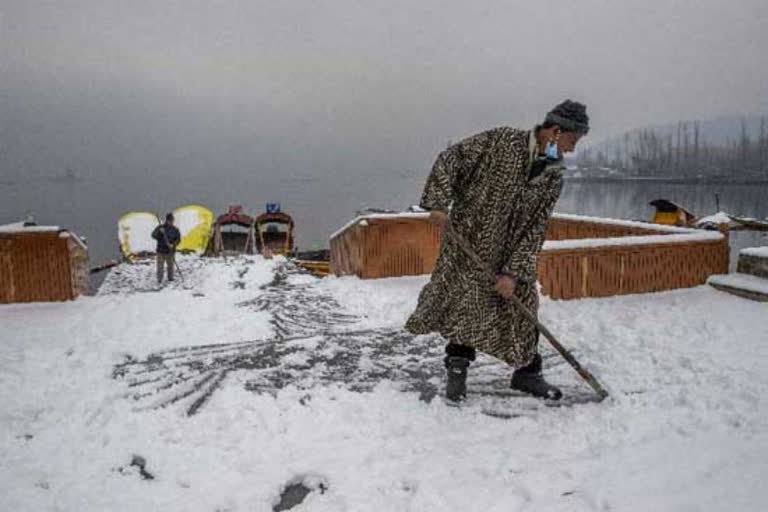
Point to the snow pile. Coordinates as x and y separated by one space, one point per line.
741 281
685 428
760 252
578 243
717 218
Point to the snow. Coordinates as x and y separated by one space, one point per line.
579 243
565 216
186 219
685 428
621 222
135 232
362 219
760 252
194 225
717 218
741 281
19 227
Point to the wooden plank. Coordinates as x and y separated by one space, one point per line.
7 285
40 268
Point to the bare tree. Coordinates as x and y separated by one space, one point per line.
683 150
744 146
677 149
696 146
763 144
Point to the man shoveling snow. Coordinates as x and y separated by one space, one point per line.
500 187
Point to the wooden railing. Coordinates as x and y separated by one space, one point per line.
592 257
583 256
385 246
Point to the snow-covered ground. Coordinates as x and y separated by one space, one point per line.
249 376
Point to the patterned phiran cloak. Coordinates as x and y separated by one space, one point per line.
502 212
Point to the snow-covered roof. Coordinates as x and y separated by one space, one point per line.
388 216
580 243
667 234
624 223
567 216
16 228
19 227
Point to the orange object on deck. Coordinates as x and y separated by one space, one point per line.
671 214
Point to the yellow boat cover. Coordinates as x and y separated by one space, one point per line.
194 223
668 218
134 232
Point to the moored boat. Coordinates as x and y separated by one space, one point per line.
234 232
274 232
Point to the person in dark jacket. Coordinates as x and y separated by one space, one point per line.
168 237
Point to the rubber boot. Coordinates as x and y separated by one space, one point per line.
456 385
529 379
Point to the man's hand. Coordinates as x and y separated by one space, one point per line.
505 286
438 217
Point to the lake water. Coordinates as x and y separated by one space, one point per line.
91 206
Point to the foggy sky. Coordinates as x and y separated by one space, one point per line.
335 86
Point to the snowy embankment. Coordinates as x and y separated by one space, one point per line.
344 398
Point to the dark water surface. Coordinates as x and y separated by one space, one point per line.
91 206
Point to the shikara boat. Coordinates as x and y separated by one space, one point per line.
234 232
274 232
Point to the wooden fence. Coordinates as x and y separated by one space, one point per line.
570 227
583 256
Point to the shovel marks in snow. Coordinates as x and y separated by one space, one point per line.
190 375
141 277
297 309
315 345
357 359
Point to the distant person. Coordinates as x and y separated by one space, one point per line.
168 237
497 189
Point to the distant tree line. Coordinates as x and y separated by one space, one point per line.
682 151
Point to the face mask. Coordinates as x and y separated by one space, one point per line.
550 151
